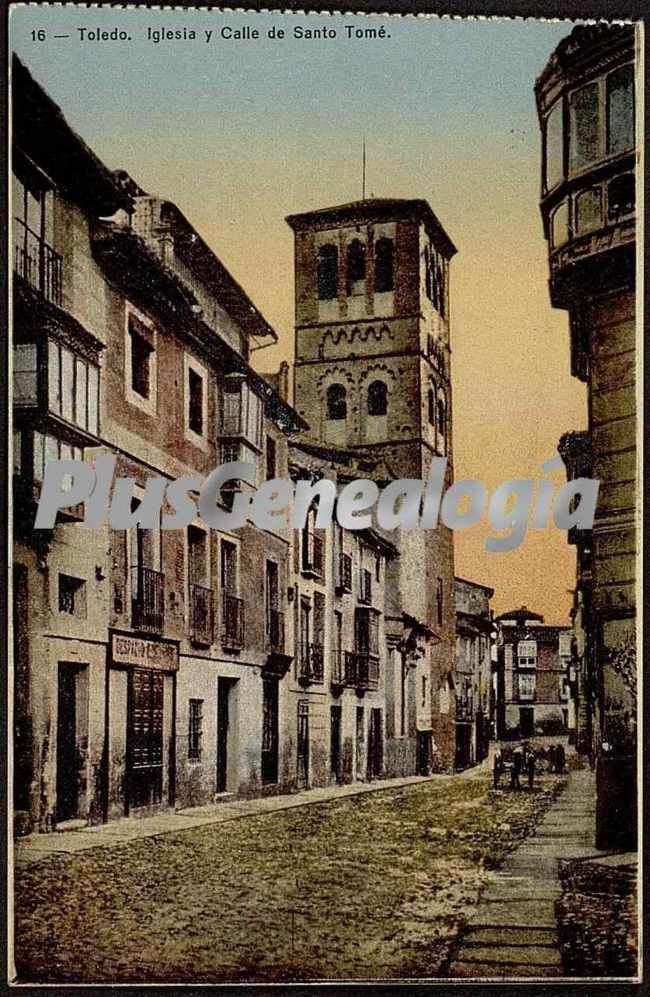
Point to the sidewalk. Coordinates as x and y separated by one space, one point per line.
513 932
37 847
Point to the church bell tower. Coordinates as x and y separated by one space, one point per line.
372 372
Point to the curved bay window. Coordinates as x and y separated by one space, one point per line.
327 267
337 405
377 398
356 267
554 139
560 225
384 266
588 210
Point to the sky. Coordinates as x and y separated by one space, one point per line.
241 133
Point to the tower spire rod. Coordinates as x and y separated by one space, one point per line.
363 171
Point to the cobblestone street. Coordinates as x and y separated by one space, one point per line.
371 886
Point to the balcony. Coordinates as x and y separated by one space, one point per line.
147 599
37 263
232 622
275 631
311 664
355 669
201 614
313 555
344 577
361 670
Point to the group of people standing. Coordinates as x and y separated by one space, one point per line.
522 762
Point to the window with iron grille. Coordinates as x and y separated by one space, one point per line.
72 595
195 732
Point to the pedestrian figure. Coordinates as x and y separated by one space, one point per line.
530 765
498 768
517 759
551 758
560 759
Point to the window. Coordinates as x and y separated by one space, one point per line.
526 685
328 266
25 377
195 391
527 653
366 631
356 267
229 582
142 348
271 459
48 448
377 398
620 110
384 269
554 146
585 130
560 225
589 214
424 690
337 407
431 403
195 732
621 196
242 412
439 601
34 259
377 568
442 419
365 585
72 595
73 387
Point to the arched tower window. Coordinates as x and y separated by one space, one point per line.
337 405
441 412
328 266
356 267
377 398
384 266
431 401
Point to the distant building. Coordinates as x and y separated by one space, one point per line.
586 104
473 675
533 677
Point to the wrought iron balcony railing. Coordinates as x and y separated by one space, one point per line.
275 631
232 622
311 664
147 599
36 262
201 614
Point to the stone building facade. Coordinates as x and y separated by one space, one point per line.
161 668
147 675
475 633
586 104
534 688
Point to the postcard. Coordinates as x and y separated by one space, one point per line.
326 507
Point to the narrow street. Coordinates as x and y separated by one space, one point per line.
379 884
